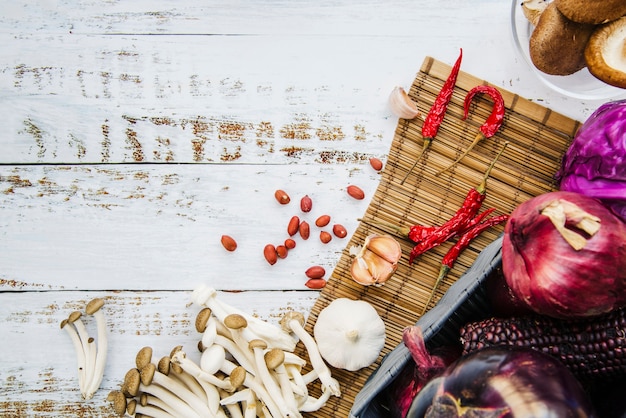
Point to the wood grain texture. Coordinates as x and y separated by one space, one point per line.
135 133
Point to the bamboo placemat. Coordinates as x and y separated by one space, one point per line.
537 138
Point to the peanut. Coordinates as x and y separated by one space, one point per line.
376 164
282 197
305 230
306 204
356 192
339 231
315 272
315 283
325 237
290 244
294 224
229 243
269 252
281 251
322 221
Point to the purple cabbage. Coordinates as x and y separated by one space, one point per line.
595 162
503 382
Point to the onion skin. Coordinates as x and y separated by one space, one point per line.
503 382
552 278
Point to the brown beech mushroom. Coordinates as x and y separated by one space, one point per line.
349 333
133 386
592 11
606 53
557 44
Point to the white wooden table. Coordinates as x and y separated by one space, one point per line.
134 134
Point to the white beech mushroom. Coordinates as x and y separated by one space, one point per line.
80 353
133 386
149 374
94 308
74 319
233 408
164 367
294 322
275 361
349 334
258 348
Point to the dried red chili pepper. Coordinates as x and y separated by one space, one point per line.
437 112
463 242
459 221
491 125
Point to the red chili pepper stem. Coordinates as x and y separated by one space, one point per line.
482 187
491 125
463 242
437 112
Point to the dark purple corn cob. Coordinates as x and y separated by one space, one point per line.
591 348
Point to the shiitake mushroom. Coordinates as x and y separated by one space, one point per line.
592 11
557 44
605 53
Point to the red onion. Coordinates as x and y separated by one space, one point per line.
564 255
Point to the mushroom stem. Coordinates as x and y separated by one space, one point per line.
74 319
94 308
275 360
294 373
149 375
258 347
313 404
133 408
294 322
234 408
243 357
254 383
133 386
147 399
193 369
80 353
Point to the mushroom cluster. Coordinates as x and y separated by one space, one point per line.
91 354
246 367
570 35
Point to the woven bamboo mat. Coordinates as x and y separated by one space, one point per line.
537 139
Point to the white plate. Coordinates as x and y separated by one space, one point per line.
580 85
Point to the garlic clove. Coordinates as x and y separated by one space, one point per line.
401 104
370 269
385 246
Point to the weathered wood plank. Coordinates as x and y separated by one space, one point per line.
38 375
159 226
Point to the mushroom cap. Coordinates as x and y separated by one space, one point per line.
143 357
147 373
291 316
557 44
257 343
132 379
235 321
349 333
274 358
94 306
532 9
119 402
131 407
202 318
605 53
237 377
164 365
592 11
74 316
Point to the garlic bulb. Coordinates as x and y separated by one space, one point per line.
349 334
376 261
401 104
